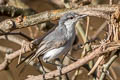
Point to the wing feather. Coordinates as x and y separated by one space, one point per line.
53 40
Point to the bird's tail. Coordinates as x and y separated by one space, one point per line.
30 55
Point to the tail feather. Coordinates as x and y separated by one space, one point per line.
24 59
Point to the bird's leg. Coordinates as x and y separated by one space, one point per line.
71 58
58 64
43 70
66 75
64 56
59 67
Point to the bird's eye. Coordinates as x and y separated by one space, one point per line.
71 17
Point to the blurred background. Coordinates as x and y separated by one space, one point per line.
38 30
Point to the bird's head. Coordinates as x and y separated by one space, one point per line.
70 18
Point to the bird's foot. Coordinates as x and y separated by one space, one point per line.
59 67
44 72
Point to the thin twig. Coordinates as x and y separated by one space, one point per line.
110 2
100 29
113 73
96 65
107 65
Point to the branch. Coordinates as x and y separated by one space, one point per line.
22 22
107 65
13 38
104 48
28 46
9 57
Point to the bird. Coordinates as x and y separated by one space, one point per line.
59 41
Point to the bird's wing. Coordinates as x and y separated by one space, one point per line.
40 41
47 47
52 41
55 39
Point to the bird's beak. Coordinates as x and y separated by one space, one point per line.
81 16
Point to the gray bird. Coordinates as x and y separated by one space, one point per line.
60 40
